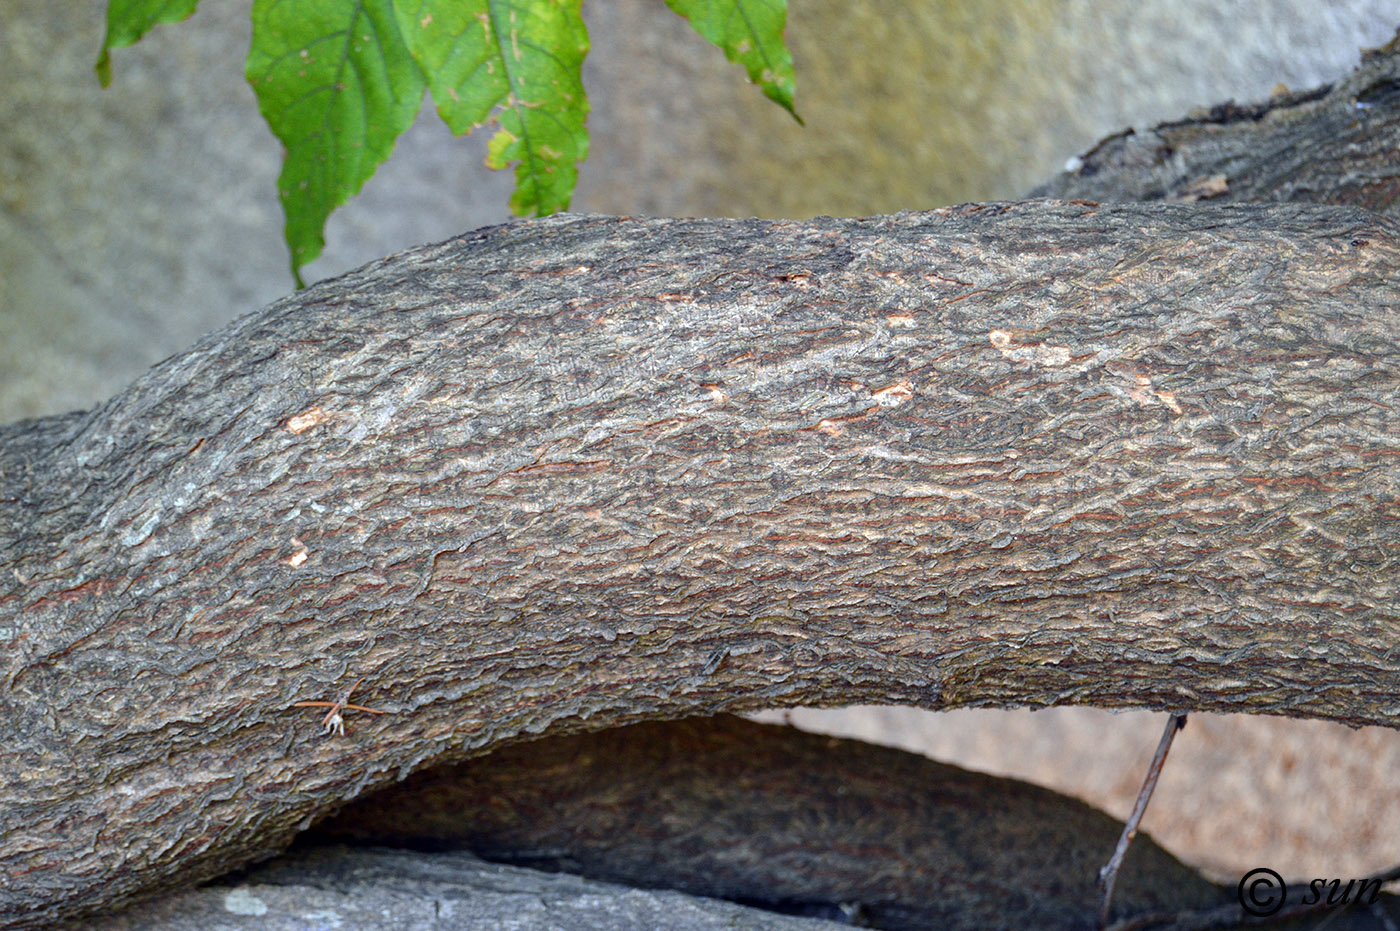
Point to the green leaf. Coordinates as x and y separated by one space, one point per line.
337 85
751 34
129 20
519 62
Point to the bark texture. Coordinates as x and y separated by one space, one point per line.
583 471
1329 145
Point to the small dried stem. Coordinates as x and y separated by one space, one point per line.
1109 874
333 721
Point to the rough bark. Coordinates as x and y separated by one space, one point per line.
577 472
1330 145
771 815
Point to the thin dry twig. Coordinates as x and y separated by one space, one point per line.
1109 874
334 722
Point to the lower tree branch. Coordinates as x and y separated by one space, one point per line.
577 472
378 889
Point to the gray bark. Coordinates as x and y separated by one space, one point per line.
392 890
577 472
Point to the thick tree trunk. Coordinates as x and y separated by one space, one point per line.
581 471
749 812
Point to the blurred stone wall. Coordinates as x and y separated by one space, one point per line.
136 218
